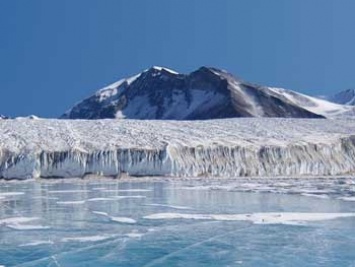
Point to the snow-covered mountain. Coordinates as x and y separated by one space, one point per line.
207 93
315 105
346 97
3 117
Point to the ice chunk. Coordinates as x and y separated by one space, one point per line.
25 227
102 199
94 238
123 220
100 213
18 220
134 234
115 218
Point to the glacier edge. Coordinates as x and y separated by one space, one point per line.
218 148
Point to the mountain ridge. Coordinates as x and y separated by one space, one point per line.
206 93
346 97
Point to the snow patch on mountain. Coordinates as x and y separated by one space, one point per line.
346 97
315 105
163 69
3 117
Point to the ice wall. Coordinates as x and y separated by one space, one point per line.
223 148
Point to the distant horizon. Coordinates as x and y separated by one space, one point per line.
56 53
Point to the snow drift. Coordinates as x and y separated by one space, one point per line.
225 148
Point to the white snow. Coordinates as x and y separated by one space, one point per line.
166 69
315 105
347 198
224 148
118 219
93 238
101 213
169 206
123 220
112 89
20 223
125 197
134 234
133 78
37 243
67 191
346 97
17 220
31 117
101 199
24 227
126 190
10 194
258 218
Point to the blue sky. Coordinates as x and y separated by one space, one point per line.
54 53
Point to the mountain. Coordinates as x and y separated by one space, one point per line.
346 97
3 117
315 105
207 93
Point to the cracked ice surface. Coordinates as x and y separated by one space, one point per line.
224 148
200 222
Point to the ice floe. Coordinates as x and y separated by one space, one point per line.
18 220
123 220
25 227
94 238
118 219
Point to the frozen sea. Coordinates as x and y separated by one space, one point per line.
167 222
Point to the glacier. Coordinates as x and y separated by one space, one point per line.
260 147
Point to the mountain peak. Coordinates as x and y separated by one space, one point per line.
160 93
346 97
161 69
3 117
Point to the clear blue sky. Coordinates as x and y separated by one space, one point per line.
54 53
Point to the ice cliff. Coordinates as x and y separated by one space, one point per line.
225 148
